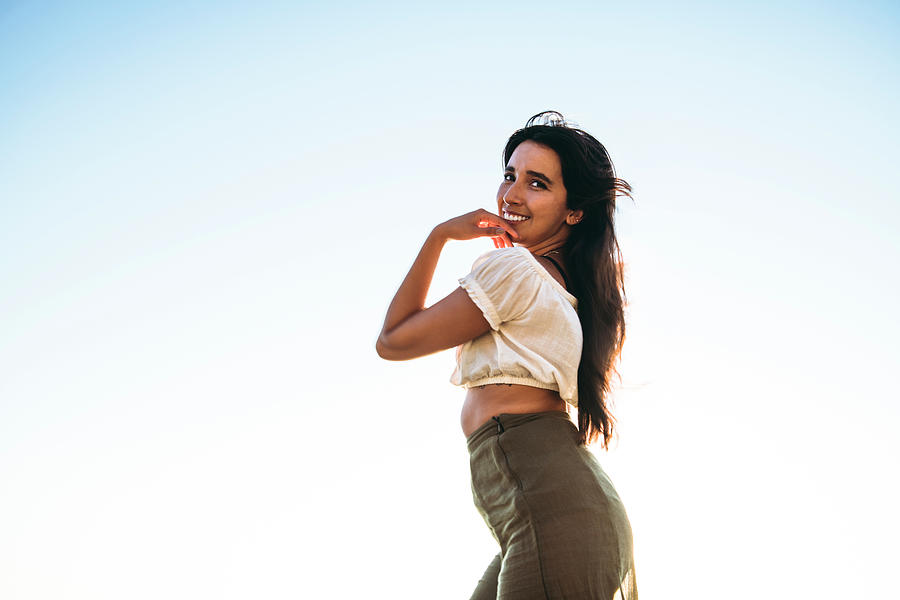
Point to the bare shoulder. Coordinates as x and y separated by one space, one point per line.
551 268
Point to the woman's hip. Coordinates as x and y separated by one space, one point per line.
530 467
550 506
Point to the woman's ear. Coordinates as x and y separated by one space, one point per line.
575 217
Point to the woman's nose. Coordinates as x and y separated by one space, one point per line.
512 194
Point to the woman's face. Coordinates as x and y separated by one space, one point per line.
532 197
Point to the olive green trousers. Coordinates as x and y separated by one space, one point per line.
562 529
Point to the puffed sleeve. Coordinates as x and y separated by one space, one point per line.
503 284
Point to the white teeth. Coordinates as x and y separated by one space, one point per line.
512 217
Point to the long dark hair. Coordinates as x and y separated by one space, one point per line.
593 258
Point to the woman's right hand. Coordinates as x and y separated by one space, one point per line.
478 223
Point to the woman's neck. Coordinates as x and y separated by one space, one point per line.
543 248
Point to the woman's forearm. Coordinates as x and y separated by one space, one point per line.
410 297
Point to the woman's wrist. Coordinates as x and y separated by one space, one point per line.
438 235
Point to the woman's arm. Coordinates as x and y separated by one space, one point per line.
410 330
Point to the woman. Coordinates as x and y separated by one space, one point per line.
539 322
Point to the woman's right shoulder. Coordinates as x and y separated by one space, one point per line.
503 259
503 284
506 267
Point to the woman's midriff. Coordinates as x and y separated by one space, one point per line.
486 401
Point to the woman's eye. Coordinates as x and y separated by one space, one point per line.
507 177
538 183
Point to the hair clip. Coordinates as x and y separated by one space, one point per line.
550 118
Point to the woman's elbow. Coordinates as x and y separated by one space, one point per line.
381 349
386 351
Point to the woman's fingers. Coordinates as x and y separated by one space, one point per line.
491 220
478 223
502 233
502 241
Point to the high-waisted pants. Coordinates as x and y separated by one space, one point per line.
562 529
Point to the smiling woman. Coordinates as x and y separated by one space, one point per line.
536 335
533 196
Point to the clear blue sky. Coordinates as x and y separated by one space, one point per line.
206 207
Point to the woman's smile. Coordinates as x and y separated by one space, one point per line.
514 217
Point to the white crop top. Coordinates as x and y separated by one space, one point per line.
535 337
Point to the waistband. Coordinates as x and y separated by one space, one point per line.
500 423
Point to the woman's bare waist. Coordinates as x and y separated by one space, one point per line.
484 402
